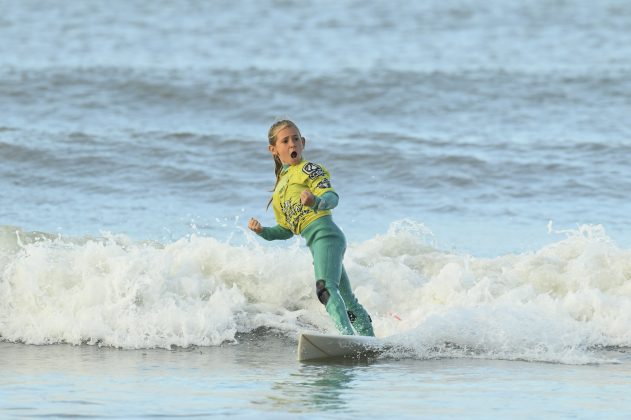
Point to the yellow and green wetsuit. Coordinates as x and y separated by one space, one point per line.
324 238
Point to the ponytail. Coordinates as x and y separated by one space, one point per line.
277 170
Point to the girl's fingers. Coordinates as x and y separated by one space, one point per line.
255 226
306 197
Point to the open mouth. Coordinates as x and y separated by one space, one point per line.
294 154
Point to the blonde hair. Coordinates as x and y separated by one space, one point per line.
271 138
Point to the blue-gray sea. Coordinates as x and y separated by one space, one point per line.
480 150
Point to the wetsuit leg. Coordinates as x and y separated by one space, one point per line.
327 262
358 315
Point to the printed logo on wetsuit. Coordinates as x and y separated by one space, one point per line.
294 214
314 171
325 183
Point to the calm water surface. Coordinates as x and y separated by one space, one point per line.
260 377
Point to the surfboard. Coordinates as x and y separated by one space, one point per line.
314 346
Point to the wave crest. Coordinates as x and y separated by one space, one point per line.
558 303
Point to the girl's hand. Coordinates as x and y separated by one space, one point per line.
255 226
307 198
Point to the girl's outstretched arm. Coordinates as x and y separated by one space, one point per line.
269 233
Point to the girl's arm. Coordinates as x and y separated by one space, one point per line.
320 195
326 201
276 232
269 233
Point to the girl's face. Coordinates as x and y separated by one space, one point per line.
289 145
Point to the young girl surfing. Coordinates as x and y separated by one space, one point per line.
302 203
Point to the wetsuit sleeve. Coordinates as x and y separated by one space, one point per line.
275 233
326 201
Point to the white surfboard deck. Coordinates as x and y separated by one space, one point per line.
314 346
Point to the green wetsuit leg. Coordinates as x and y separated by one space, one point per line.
327 263
328 244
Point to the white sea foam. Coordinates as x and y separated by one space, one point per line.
556 304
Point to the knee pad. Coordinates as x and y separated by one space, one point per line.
322 292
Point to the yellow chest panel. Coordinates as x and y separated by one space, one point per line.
288 209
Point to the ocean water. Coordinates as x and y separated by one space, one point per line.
480 151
